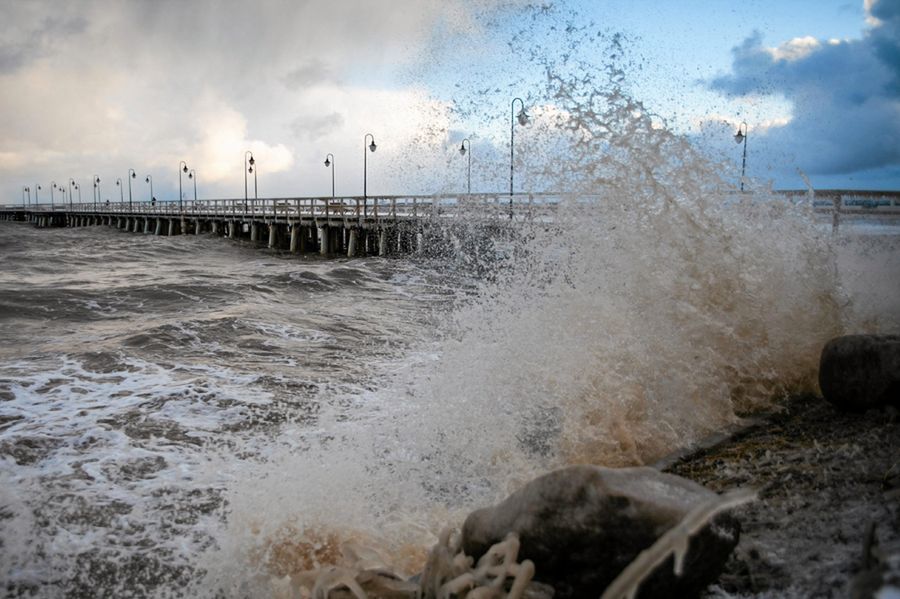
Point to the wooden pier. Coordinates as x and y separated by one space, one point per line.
350 226
357 226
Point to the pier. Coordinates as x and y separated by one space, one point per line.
350 226
359 226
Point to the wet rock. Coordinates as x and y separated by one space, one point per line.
582 525
858 372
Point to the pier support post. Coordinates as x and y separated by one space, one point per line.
273 231
146 226
352 243
254 232
295 238
323 240
382 242
231 229
171 227
420 242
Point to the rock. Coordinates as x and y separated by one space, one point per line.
582 525
858 372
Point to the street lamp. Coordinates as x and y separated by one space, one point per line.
522 117
78 189
24 189
741 136
249 161
329 161
462 150
131 175
37 200
53 186
182 166
97 188
372 147
149 180
121 190
193 175
72 184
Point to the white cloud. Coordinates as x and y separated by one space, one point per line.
795 49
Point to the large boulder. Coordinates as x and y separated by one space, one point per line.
858 372
582 525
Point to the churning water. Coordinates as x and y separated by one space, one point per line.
191 416
188 413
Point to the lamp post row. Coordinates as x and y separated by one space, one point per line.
250 167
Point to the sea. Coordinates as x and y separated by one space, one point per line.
198 416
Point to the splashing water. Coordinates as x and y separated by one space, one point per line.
655 305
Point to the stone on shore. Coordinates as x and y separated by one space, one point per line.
582 525
859 372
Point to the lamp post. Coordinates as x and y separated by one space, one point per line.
97 187
131 175
121 190
78 189
182 167
741 136
72 184
53 186
329 161
522 117
462 150
372 147
249 161
193 175
24 189
149 180
37 200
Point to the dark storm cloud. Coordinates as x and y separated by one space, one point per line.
845 94
24 45
310 73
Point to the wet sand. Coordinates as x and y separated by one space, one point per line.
824 478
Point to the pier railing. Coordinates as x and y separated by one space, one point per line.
338 208
396 207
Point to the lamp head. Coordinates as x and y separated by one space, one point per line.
462 149
372 146
134 175
250 170
147 180
118 182
97 180
185 169
190 175
327 162
523 117
739 136
252 161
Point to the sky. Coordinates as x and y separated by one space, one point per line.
98 87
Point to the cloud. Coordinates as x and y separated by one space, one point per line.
19 46
100 87
844 93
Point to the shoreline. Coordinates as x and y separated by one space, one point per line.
824 477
